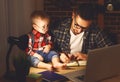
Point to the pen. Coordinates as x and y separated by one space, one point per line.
70 58
66 55
77 62
75 59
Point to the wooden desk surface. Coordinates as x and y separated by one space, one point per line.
67 70
72 69
62 72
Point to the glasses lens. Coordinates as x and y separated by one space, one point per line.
78 26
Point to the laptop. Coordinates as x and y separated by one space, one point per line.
102 63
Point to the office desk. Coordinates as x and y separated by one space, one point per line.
72 69
62 72
67 70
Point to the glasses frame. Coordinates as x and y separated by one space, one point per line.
78 26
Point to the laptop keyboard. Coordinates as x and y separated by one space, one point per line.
76 76
81 77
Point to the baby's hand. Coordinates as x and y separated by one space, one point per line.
47 48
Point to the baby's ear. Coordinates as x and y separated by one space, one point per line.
34 26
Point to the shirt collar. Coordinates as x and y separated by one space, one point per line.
38 34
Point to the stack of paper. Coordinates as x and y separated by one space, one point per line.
77 63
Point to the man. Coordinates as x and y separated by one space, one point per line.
75 36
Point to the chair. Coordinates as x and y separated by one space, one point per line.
22 44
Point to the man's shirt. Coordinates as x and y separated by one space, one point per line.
93 37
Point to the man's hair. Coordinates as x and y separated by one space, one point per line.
87 11
38 13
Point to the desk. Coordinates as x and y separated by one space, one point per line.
67 70
64 72
72 69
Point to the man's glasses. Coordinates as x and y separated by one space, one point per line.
78 26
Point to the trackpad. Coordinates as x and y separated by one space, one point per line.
81 77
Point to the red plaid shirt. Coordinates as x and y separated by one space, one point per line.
37 41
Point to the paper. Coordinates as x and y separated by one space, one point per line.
78 63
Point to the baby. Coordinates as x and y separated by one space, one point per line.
39 45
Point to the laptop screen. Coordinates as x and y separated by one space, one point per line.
102 63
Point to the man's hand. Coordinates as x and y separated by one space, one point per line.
65 57
47 48
80 56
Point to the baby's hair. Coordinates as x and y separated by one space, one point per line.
38 13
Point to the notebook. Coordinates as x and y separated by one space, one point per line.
102 63
50 76
77 63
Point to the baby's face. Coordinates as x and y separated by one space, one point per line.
41 25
